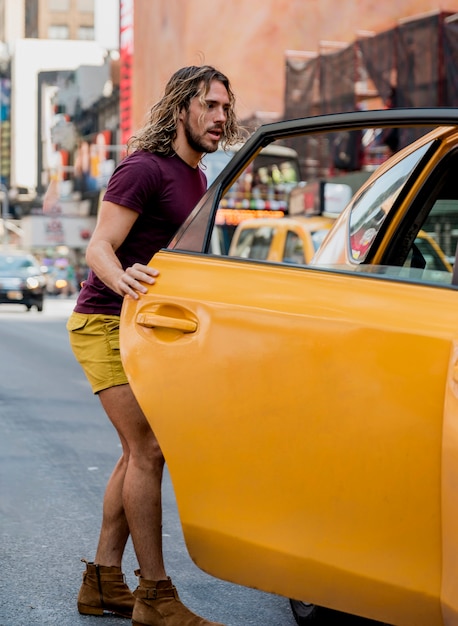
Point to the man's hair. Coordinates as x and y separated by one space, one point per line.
160 129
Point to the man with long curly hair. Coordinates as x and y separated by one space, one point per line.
148 197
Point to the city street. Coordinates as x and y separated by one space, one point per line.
57 450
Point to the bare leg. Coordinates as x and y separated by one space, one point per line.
140 509
115 529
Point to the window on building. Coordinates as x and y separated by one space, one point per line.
58 31
59 5
86 6
31 19
85 32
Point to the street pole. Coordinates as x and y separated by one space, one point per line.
5 212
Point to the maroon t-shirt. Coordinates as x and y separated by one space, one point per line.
163 191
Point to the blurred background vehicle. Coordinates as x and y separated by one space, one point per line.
282 240
262 191
60 279
22 280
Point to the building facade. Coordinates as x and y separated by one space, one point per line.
49 48
59 19
251 39
80 102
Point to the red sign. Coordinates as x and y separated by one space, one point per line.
126 52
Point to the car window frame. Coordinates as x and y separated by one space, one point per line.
195 235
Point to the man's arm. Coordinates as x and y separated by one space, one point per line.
113 225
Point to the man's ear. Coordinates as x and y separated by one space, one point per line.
182 113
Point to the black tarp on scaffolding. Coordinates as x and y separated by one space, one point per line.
419 56
414 64
301 78
338 74
451 59
333 76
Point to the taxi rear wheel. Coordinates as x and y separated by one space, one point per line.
304 612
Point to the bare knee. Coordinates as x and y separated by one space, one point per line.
147 453
138 440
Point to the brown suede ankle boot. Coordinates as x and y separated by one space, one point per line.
157 604
104 589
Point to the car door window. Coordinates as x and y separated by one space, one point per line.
431 256
392 228
318 237
294 249
442 222
371 207
254 243
424 248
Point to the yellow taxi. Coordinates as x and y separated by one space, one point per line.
295 240
308 413
283 240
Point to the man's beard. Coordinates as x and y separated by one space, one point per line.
197 142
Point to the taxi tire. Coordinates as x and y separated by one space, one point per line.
304 612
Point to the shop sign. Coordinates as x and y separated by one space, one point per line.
45 231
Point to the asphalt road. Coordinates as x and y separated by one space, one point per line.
57 451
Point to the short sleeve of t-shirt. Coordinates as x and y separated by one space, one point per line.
135 182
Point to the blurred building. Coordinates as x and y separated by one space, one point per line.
249 40
78 76
59 19
58 81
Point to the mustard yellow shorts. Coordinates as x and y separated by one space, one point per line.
95 343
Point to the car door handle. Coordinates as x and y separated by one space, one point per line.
152 320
